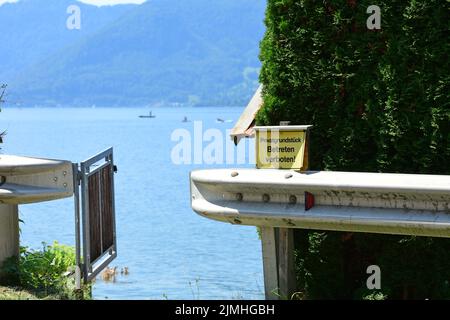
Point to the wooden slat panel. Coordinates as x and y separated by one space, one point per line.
94 216
107 208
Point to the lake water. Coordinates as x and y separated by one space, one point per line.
171 252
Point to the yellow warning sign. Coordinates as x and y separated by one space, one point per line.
280 147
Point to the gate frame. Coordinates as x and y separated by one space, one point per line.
86 268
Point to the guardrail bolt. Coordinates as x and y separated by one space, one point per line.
288 175
239 196
234 174
292 199
266 197
237 221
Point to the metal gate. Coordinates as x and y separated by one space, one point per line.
98 225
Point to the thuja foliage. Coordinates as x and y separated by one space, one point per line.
379 101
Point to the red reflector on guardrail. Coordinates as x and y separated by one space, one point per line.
309 201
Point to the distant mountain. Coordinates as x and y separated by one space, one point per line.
31 30
196 52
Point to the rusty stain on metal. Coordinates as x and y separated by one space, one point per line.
289 222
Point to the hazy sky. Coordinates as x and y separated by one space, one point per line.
5 1
94 2
110 2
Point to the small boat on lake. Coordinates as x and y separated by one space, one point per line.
150 115
219 120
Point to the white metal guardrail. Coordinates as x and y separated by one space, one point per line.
344 201
27 180
340 201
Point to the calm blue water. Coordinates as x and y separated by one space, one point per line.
171 252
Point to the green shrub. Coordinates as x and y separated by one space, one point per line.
379 102
44 270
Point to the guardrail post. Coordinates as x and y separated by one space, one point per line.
9 231
270 265
286 266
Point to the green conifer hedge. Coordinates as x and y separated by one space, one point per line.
379 101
